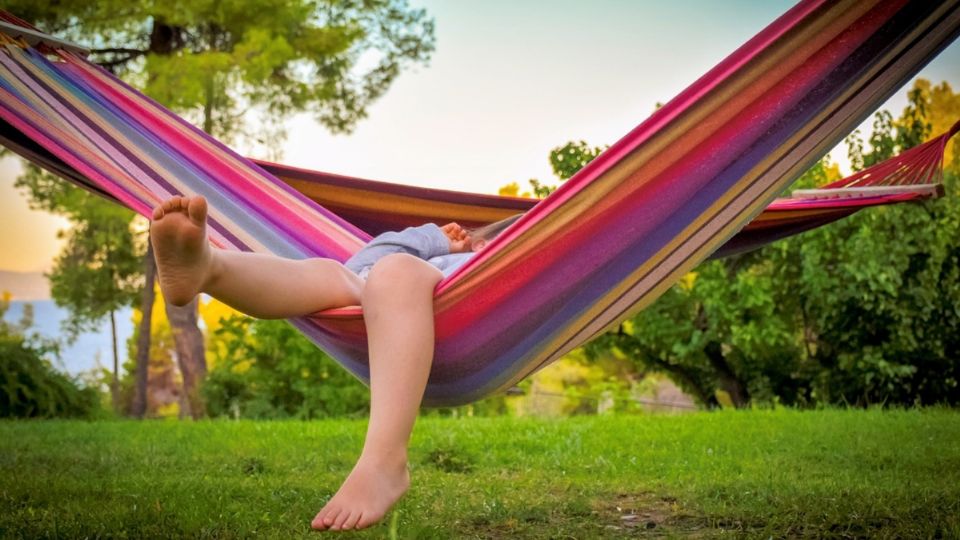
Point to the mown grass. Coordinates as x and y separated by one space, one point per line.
783 473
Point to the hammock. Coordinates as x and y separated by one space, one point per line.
599 249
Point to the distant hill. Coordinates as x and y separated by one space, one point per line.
25 285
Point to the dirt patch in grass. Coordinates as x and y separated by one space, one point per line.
618 515
650 515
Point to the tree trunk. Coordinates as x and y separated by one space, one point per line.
139 406
208 105
115 385
190 356
726 377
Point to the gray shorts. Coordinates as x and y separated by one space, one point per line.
364 272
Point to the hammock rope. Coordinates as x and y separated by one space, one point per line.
603 246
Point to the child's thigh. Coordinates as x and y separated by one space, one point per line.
402 270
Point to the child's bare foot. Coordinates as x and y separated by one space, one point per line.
179 236
365 496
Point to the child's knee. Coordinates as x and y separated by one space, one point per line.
337 280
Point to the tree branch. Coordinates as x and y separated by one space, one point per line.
117 50
116 62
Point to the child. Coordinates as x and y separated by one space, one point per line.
393 281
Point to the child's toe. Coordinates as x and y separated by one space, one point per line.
351 521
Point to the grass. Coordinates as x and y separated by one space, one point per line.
782 473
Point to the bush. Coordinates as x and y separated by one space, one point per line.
30 386
269 370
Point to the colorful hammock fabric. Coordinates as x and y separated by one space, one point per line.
599 249
377 207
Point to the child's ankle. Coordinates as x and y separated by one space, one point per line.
385 458
212 272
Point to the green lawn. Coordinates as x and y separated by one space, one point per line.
832 473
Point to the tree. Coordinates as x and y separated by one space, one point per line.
862 311
216 61
565 161
881 288
98 270
239 70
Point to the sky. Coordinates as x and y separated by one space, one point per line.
508 82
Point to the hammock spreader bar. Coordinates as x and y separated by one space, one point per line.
603 246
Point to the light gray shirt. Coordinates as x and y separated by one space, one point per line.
426 242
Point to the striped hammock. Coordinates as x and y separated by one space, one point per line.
607 243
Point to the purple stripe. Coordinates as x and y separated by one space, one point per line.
114 143
267 177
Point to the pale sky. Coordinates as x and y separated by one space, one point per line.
508 82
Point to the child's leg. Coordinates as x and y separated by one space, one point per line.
398 312
269 287
259 285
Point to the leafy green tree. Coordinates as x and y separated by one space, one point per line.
238 70
862 311
98 271
219 61
565 161
568 159
880 289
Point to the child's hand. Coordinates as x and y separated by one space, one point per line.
459 239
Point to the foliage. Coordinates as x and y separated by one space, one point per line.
565 161
942 106
568 159
268 369
881 290
31 386
729 474
575 386
861 311
218 62
257 369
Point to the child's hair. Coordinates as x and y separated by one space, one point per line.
490 231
